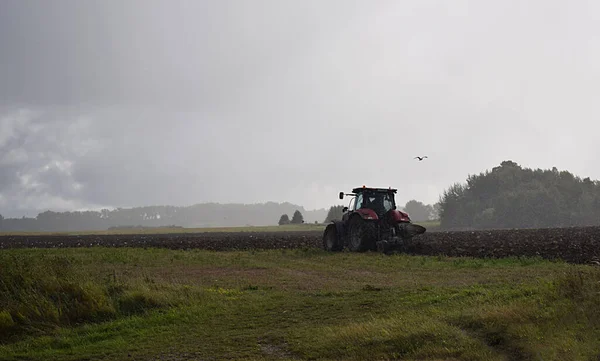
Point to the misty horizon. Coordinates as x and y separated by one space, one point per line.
140 103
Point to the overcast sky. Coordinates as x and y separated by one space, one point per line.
132 103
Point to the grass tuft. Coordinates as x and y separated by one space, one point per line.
401 335
138 301
581 287
39 295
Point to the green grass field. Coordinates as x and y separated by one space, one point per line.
285 228
158 304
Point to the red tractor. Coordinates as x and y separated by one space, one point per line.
371 222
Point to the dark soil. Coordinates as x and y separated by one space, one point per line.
575 245
218 241
572 244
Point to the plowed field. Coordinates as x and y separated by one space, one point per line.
576 245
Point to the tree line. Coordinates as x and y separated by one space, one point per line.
510 196
199 215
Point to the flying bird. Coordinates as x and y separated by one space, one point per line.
420 158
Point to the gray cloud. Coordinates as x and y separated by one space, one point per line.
188 55
37 155
153 102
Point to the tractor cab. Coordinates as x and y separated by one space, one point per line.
380 200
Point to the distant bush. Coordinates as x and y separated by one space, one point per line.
297 218
284 219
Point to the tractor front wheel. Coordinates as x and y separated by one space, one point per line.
361 235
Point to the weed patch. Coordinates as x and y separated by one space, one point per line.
40 295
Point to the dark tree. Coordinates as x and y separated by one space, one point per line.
510 196
335 214
436 211
418 211
297 218
285 219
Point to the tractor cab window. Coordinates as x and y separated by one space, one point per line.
379 202
371 200
374 202
358 202
388 202
352 204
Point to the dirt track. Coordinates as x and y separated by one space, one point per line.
576 245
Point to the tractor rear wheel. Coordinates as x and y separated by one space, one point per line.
361 235
330 239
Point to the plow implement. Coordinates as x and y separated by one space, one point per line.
400 243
